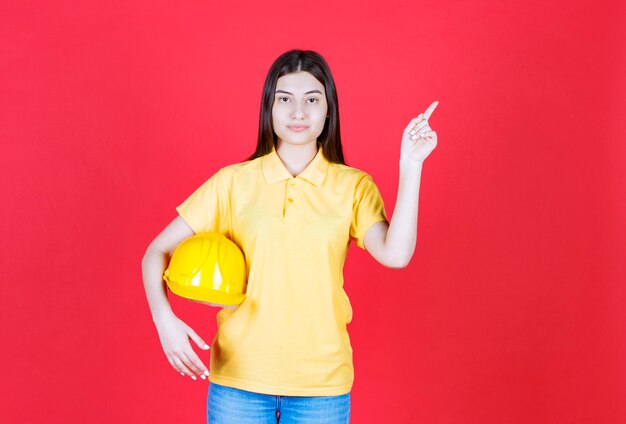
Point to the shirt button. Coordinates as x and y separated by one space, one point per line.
290 199
292 184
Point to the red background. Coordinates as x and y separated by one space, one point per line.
512 309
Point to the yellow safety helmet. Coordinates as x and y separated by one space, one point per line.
208 267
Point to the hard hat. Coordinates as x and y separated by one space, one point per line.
208 267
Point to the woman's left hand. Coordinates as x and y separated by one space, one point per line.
418 140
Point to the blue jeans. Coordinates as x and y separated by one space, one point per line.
228 405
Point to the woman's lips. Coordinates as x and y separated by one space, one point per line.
297 128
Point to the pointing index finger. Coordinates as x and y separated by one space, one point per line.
430 109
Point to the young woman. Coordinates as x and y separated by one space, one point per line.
284 355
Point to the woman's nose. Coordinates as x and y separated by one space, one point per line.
297 112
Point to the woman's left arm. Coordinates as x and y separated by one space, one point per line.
393 244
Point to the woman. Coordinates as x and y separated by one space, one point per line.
283 354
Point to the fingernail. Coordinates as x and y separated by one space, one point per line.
194 377
182 373
206 346
412 132
206 372
202 376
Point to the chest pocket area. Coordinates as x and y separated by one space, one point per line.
327 230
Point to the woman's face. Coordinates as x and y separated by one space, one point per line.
299 100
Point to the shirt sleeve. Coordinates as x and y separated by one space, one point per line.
207 208
368 208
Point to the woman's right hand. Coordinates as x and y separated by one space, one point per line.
174 335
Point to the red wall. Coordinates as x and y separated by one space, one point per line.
512 309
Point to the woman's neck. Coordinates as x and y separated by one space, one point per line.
296 157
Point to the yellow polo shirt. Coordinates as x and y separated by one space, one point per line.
289 336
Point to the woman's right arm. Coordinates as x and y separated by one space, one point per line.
173 332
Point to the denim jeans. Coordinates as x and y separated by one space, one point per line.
228 405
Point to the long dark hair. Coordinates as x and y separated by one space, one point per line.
314 63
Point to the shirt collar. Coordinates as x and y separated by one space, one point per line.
274 169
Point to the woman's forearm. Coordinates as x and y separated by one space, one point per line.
418 141
153 264
402 232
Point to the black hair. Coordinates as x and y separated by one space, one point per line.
313 63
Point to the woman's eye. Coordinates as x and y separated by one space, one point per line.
286 99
